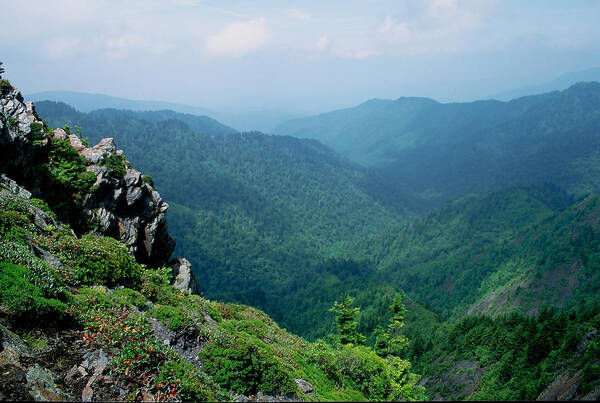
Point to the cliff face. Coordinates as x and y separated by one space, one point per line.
120 203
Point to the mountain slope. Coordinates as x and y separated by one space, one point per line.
445 151
67 115
86 102
82 319
256 215
258 119
560 83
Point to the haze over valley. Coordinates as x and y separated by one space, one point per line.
382 201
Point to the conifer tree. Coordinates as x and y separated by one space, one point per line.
1 69
397 341
346 321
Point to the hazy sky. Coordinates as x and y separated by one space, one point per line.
299 55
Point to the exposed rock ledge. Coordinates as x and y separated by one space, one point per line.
125 208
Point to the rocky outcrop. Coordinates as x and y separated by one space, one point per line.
183 277
123 207
120 204
16 117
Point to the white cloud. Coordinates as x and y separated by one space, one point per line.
298 14
61 47
438 26
322 43
239 38
361 54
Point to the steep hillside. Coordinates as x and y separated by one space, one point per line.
444 151
256 215
82 318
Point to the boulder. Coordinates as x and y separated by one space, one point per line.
183 276
304 386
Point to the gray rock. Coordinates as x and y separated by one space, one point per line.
12 185
59 134
184 278
42 385
47 257
10 341
589 336
76 142
304 386
127 209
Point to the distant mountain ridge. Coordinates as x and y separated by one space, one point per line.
259 119
62 114
560 83
87 102
443 151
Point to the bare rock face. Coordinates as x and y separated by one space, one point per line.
120 203
125 208
184 278
16 117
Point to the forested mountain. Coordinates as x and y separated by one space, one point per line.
244 120
86 102
99 312
121 119
289 226
260 217
443 151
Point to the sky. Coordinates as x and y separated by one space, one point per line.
303 56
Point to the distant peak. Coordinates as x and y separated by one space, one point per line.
582 85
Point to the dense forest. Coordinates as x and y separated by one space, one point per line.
496 258
441 151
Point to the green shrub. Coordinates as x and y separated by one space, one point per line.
191 383
42 275
156 284
115 164
128 297
20 294
67 168
42 205
360 368
5 85
148 180
245 364
173 317
96 259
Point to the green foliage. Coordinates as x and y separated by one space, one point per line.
5 85
156 284
67 167
20 295
174 317
42 276
42 205
246 365
115 164
358 367
521 355
129 297
193 384
148 180
96 259
346 321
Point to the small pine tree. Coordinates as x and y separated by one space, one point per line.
346 321
382 341
397 342
1 69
